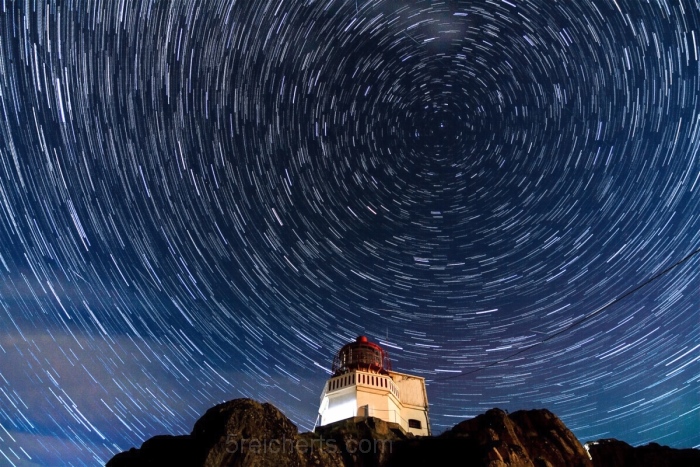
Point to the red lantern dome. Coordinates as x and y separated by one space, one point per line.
361 355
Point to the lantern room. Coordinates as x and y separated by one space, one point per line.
361 355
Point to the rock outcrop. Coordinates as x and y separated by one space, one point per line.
246 433
241 432
531 438
614 453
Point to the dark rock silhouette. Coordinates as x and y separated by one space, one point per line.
247 433
529 438
614 453
241 432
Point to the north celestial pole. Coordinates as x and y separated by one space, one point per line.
203 200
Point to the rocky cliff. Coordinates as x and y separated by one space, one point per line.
614 453
243 432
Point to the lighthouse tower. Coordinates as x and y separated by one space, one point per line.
363 385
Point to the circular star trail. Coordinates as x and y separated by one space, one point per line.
203 200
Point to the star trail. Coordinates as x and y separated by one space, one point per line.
203 200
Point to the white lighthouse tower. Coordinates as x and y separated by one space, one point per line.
363 385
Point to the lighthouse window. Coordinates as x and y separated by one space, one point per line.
413 423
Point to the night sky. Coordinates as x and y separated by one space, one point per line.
202 200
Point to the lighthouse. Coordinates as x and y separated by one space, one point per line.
362 384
